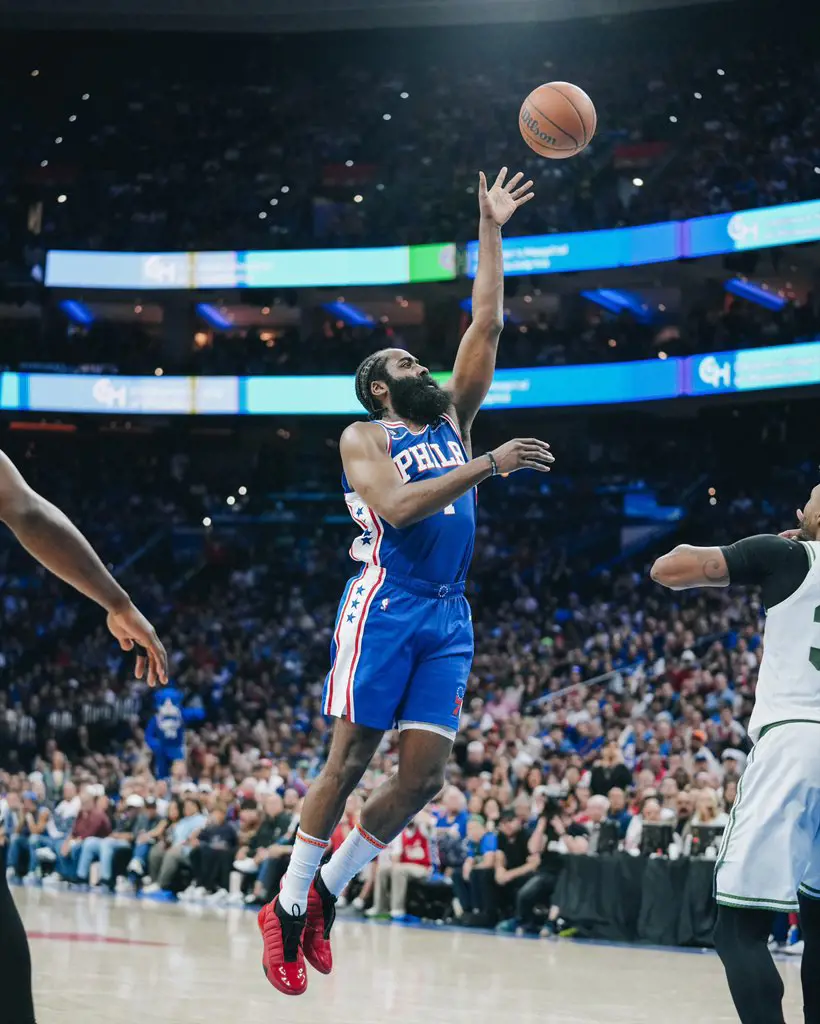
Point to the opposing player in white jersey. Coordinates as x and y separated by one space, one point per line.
769 861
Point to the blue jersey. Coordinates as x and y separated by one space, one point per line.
439 548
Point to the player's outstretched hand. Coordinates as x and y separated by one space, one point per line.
798 531
501 201
132 629
523 453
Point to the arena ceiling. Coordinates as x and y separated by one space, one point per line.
305 15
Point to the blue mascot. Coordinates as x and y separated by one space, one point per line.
165 734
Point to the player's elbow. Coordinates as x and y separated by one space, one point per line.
666 570
489 322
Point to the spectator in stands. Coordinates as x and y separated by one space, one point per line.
514 865
474 885
213 851
91 823
148 830
554 835
650 814
46 846
165 862
729 794
618 811
411 858
30 824
105 849
269 849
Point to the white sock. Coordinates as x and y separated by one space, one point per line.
304 861
355 853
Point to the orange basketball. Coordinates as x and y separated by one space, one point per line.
557 120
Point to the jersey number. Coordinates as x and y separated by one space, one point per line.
451 511
814 652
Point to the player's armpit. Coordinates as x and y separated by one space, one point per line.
686 566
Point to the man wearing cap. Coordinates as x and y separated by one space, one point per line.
104 849
700 757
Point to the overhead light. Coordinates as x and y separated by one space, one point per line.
357 198
673 119
661 355
721 71
698 96
285 189
404 95
263 215
86 96
231 500
61 198
387 117
348 163
380 187
158 372
243 491
265 311
138 308
73 117
35 73
44 163
637 182
274 202
59 139
206 521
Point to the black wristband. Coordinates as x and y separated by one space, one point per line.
493 463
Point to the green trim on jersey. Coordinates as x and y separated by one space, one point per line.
728 899
786 721
724 846
808 890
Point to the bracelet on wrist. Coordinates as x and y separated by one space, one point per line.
493 464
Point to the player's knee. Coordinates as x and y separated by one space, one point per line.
736 929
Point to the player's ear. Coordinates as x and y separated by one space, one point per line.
378 389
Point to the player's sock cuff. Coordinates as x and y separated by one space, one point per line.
311 840
371 839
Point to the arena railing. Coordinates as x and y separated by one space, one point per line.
743 370
789 224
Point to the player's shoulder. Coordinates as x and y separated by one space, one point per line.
362 436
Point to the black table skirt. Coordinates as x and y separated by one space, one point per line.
636 899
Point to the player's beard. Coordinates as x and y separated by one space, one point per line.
418 399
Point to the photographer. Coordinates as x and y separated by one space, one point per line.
555 834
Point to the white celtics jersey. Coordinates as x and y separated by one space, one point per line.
788 686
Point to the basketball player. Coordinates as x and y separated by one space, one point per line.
58 545
769 861
403 642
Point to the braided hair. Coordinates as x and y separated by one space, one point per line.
370 369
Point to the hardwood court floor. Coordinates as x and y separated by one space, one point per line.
104 960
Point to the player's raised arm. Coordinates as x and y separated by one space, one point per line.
47 534
475 362
376 480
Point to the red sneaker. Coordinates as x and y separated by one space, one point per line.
321 913
282 958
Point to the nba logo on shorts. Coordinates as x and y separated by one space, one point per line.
385 603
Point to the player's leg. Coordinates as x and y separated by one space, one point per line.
423 756
810 967
741 937
351 749
15 962
766 848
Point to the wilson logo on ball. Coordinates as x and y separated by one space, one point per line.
533 127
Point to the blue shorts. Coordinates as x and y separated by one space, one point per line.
401 653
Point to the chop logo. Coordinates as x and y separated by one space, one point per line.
107 394
715 374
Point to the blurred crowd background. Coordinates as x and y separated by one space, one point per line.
600 708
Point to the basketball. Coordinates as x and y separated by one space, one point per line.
557 120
